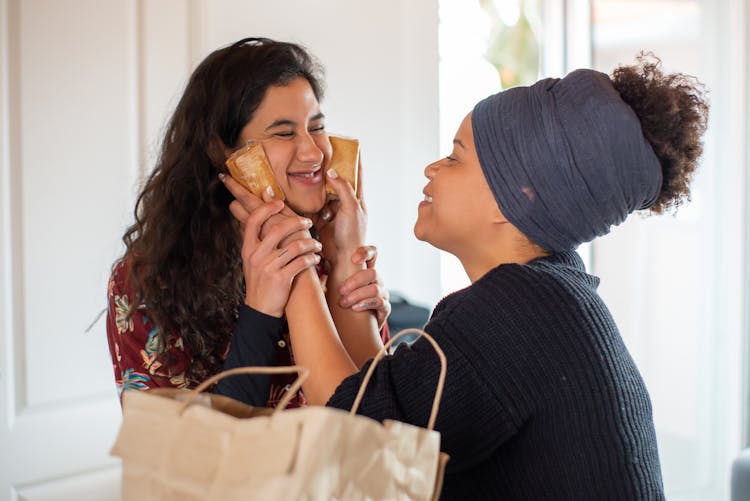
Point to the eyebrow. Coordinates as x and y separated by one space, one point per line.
286 121
458 142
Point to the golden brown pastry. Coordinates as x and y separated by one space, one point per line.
249 166
344 160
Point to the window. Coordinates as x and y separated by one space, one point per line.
674 283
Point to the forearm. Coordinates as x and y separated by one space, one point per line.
315 342
358 329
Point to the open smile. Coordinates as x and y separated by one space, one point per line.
309 177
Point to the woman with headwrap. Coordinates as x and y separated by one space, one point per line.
542 399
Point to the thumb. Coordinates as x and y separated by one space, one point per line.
343 189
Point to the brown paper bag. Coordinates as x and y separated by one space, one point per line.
185 445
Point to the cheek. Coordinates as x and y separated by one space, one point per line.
279 156
324 145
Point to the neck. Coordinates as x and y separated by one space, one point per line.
478 261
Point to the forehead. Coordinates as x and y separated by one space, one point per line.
294 98
465 132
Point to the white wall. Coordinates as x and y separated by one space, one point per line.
85 89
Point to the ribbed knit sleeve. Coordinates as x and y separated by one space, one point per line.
253 344
403 388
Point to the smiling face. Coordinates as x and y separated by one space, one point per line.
291 127
459 209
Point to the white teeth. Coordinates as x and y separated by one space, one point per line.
305 174
428 198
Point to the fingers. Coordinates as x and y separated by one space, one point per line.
363 296
359 279
343 189
239 212
300 264
382 314
365 254
255 221
294 250
269 271
360 187
359 177
329 210
326 214
246 199
268 194
276 232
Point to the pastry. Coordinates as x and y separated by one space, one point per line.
344 160
249 166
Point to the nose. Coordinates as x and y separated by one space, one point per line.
431 170
308 151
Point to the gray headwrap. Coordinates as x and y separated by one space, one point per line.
565 158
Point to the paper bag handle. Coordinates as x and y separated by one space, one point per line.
302 374
382 353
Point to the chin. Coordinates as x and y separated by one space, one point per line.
306 207
421 233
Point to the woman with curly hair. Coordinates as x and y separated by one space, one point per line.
179 291
542 399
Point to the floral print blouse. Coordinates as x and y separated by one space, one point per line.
133 346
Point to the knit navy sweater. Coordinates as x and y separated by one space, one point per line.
542 399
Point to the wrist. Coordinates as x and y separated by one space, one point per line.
343 254
262 308
344 268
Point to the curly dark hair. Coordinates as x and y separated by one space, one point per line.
673 113
183 250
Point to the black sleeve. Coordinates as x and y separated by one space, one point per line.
253 344
471 421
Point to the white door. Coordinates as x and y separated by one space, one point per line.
77 85
85 89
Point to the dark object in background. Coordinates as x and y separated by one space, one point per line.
405 315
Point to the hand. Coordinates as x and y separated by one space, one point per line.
343 223
270 266
268 281
364 290
245 203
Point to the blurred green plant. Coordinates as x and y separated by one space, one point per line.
512 49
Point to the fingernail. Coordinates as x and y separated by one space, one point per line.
222 177
269 192
332 173
317 258
306 222
318 246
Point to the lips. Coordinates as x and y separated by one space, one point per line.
307 176
427 200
